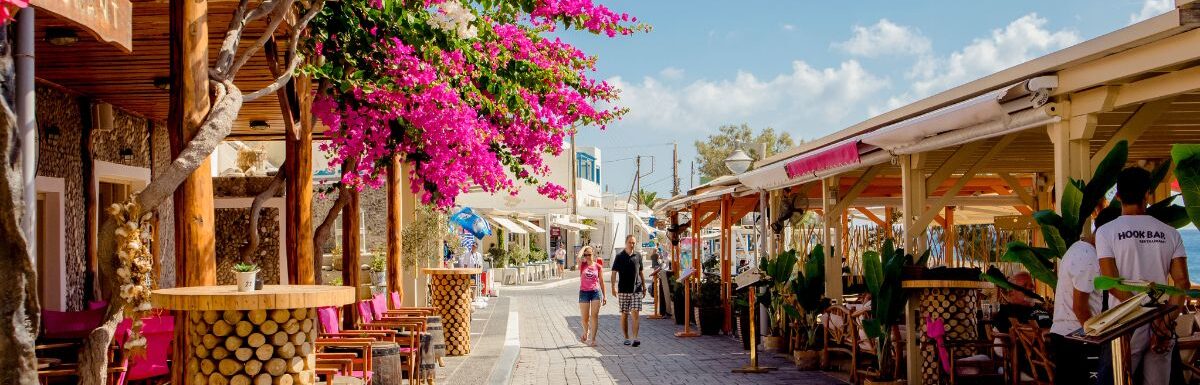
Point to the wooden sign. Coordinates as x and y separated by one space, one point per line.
1014 222
749 277
687 273
110 21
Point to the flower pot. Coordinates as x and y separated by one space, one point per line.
711 319
807 359
379 278
246 280
772 343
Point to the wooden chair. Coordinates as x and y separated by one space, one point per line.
358 342
963 361
118 366
1031 347
409 330
866 351
840 336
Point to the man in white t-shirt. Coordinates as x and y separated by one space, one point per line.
1075 301
1137 246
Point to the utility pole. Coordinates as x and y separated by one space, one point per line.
675 170
692 179
634 190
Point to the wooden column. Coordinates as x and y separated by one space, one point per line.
949 238
889 217
298 197
726 262
395 213
414 281
350 250
912 175
833 262
195 241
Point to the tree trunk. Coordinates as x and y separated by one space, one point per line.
251 246
19 308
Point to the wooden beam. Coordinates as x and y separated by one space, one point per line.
950 237
1016 187
350 250
726 262
982 200
859 186
871 216
1133 128
951 164
923 221
395 228
195 240
1024 209
1166 52
940 220
1103 99
889 217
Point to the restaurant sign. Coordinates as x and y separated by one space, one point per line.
110 21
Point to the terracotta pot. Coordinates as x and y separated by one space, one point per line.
772 343
807 359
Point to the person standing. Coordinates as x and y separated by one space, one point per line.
560 257
1136 246
627 273
1076 301
591 294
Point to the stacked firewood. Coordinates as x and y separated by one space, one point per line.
254 347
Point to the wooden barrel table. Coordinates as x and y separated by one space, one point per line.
255 337
450 292
957 304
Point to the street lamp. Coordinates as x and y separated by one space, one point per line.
738 162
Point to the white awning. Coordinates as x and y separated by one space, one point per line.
507 224
529 225
573 225
641 224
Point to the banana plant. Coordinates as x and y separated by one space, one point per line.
1186 158
779 271
1155 290
808 289
882 270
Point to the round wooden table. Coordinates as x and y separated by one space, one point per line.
262 336
957 304
450 292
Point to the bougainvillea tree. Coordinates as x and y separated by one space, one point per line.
471 93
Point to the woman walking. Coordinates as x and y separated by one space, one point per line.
591 294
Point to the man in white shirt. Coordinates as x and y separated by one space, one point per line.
1076 301
1136 246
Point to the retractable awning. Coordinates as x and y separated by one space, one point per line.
529 225
573 225
507 224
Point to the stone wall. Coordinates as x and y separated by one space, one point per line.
373 205
60 155
129 132
161 153
229 243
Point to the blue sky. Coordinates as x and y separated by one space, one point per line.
810 67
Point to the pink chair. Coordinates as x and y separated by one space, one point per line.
332 336
159 330
70 325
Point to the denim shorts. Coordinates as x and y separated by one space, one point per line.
586 296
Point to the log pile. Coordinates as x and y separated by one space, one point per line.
253 347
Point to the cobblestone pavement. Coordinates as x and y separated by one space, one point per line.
551 352
487 340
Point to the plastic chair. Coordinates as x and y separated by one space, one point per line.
71 325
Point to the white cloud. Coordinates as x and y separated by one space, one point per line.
788 27
672 73
1019 41
1152 8
816 100
885 38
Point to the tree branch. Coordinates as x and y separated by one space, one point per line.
293 43
321 234
233 36
279 82
251 246
277 17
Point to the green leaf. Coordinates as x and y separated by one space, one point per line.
1108 283
873 328
1159 174
1174 215
1187 172
1055 240
1028 257
1072 200
996 277
1103 179
872 271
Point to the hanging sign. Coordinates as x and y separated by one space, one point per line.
110 21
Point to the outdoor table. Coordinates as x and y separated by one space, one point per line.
956 303
451 293
258 336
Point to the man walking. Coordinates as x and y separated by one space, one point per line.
1136 246
627 273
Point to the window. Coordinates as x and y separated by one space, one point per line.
112 192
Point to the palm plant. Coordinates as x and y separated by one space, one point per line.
807 289
883 270
779 272
647 198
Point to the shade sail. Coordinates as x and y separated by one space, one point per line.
507 224
529 225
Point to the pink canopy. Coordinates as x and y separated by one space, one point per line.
834 156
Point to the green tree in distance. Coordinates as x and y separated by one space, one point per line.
711 152
647 197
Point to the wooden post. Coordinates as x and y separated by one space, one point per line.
195 242
833 261
913 203
949 237
416 292
350 250
889 217
194 225
298 196
726 263
395 213
697 250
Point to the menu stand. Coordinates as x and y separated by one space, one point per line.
1118 339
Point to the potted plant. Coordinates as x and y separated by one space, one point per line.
497 257
778 271
247 274
707 300
883 272
378 267
518 255
807 290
